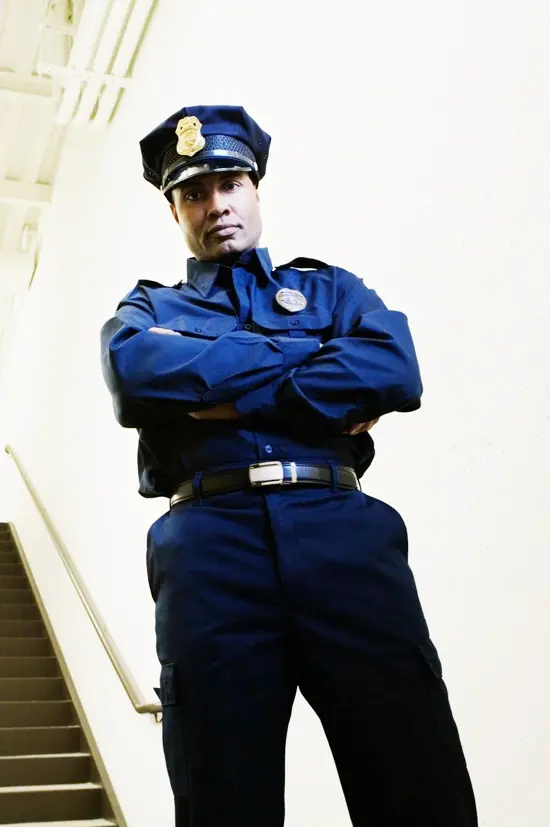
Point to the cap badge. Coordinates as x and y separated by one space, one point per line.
190 138
291 300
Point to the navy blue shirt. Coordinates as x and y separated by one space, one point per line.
298 379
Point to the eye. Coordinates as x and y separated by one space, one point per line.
192 195
231 185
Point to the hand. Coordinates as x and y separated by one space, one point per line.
163 330
226 410
361 427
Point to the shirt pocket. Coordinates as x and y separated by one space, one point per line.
202 328
313 323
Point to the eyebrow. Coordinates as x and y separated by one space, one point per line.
191 185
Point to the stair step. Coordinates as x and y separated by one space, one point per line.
13 581
35 713
69 768
87 822
39 740
50 803
20 622
32 689
16 596
18 611
15 569
24 646
8 554
12 666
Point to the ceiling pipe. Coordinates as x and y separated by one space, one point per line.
123 60
81 55
103 59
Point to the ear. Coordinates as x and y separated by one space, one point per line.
174 212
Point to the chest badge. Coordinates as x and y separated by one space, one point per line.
291 300
190 138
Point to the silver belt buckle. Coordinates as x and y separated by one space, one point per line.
266 473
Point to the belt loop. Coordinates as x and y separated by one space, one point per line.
334 477
197 487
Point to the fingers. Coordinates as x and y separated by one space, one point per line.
226 410
164 330
362 427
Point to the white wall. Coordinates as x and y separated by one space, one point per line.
410 145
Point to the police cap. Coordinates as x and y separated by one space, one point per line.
198 140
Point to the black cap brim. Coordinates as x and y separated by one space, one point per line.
205 167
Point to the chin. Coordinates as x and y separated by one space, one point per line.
229 247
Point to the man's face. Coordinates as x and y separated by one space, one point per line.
219 215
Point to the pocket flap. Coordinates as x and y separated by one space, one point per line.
317 319
210 328
168 692
429 653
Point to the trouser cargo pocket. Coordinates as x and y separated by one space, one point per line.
173 730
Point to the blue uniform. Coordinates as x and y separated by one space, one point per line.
298 379
303 583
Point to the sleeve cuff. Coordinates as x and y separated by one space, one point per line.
295 353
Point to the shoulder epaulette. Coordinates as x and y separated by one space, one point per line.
303 263
147 283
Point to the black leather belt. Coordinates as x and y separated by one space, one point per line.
263 474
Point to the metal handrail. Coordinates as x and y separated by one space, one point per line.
126 678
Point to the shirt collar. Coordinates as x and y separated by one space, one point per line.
202 274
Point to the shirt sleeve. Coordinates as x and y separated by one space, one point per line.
368 369
149 373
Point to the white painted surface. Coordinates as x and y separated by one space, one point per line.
411 146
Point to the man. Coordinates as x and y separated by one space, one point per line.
253 389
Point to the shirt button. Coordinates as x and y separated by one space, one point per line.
248 327
268 449
197 330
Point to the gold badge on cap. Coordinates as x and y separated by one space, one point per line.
190 138
291 300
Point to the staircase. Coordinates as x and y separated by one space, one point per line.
47 774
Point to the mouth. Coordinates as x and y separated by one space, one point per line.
223 230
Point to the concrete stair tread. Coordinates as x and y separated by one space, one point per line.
16 617
28 646
31 689
30 757
94 822
48 777
83 785
29 678
64 726
23 640
26 657
30 665
35 701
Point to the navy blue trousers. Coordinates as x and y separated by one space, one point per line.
258 593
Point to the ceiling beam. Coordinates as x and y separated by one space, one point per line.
15 85
23 192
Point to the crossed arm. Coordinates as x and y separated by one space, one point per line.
228 410
368 369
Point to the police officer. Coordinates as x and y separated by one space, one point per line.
253 389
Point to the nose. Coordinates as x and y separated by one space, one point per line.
217 205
